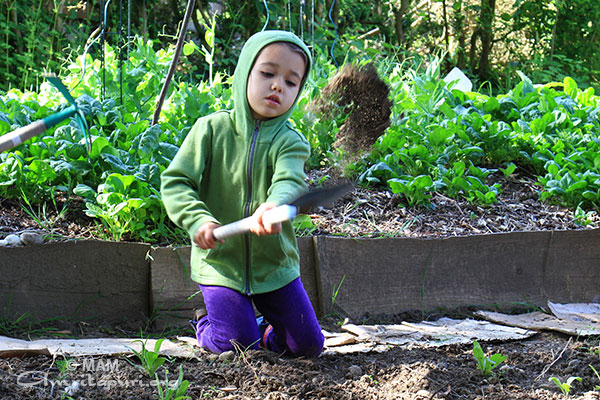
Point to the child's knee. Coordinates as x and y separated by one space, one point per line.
233 339
311 346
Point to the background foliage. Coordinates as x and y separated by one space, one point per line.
440 139
488 39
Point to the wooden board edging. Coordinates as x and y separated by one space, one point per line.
112 282
103 282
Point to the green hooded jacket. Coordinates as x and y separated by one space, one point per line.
227 166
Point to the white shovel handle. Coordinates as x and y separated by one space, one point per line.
272 216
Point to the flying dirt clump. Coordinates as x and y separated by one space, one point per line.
359 93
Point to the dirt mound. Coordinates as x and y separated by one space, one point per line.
363 96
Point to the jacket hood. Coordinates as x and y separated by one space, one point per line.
244 121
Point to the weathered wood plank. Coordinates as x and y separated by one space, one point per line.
105 282
389 276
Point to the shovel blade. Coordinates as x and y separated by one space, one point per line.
320 197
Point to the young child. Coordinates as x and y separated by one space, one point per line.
238 163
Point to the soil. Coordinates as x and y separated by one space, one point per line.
360 97
447 372
364 212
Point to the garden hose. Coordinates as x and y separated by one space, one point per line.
336 34
268 15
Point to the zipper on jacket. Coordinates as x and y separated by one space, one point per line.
248 203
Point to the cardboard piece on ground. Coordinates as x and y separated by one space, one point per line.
584 312
543 322
442 332
10 347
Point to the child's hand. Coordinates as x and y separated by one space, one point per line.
261 229
204 237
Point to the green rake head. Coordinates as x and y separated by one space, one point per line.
72 110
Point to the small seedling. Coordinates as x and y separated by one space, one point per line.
486 364
582 217
565 387
65 366
174 391
150 360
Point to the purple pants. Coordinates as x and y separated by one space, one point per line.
296 330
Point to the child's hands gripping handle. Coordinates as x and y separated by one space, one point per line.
270 217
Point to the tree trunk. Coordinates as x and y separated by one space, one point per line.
481 64
18 34
251 18
554 34
488 12
399 14
446 29
459 31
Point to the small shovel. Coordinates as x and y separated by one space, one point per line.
303 204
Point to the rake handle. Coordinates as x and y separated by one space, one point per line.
18 136
272 216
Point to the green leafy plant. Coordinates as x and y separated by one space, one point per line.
582 217
486 364
303 225
172 390
565 387
597 387
440 140
150 360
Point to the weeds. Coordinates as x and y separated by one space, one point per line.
65 367
303 225
565 387
150 360
172 391
336 291
25 325
486 364
42 216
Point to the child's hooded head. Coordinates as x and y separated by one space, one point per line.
270 74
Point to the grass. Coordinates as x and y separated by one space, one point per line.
42 216
25 326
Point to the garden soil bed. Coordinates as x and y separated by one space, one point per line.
446 372
361 213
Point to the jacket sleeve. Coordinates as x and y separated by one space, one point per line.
289 154
181 181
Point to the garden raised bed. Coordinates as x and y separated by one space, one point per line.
126 282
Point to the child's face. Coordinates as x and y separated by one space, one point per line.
274 81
